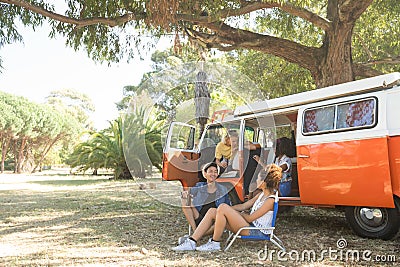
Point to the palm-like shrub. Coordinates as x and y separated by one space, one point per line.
130 146
142 142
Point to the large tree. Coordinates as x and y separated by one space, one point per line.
321 36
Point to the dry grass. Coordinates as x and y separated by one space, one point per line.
93 221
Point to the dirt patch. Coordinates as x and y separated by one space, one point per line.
91 221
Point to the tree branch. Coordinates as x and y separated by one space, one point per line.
305 14
389 60
364 46
227 38
248 7
361 70
350 10
112 22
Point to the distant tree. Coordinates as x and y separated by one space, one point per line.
10 125
53 127
28 131
74 103
22 130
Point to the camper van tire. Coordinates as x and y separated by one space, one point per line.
370 222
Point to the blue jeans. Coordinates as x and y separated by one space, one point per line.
285 188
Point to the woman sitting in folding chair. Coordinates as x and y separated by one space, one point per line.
233 217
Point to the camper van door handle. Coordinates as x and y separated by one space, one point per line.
303 156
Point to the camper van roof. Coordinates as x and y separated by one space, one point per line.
344 89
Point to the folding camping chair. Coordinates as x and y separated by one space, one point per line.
270 237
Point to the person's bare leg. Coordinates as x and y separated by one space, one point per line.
190 213
226 215
210 231
205 224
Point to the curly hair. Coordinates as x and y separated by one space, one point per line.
283 146
271 177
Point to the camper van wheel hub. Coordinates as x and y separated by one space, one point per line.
371 217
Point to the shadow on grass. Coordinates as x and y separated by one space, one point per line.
77 174
119 224
71 182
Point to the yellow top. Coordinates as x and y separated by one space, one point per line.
223 150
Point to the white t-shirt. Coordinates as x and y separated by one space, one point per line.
287 174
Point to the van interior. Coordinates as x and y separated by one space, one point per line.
261 130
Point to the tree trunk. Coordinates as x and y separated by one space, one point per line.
20 157
45 151
335 65
4 149
201 100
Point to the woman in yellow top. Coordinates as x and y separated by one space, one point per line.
223 150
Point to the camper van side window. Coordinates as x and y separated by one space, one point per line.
350 115
318 119
356 114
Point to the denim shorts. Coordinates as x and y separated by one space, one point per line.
255 232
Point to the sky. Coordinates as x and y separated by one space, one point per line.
40 65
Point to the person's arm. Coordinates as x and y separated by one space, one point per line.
267 206
186 197
250 145
218 156
221 164
246 205
257 158
285 166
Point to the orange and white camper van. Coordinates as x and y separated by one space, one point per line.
347 150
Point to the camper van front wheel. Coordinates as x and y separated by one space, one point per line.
373 222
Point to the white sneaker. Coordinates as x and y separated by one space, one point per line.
186 245
182 239
210 246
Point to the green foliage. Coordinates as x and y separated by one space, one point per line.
142 141
281 24
130 146
304 32
9 14
102 150
275 76
377 35
73 103
104 43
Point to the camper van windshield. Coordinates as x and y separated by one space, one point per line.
216 132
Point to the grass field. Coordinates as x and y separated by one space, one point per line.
56 219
